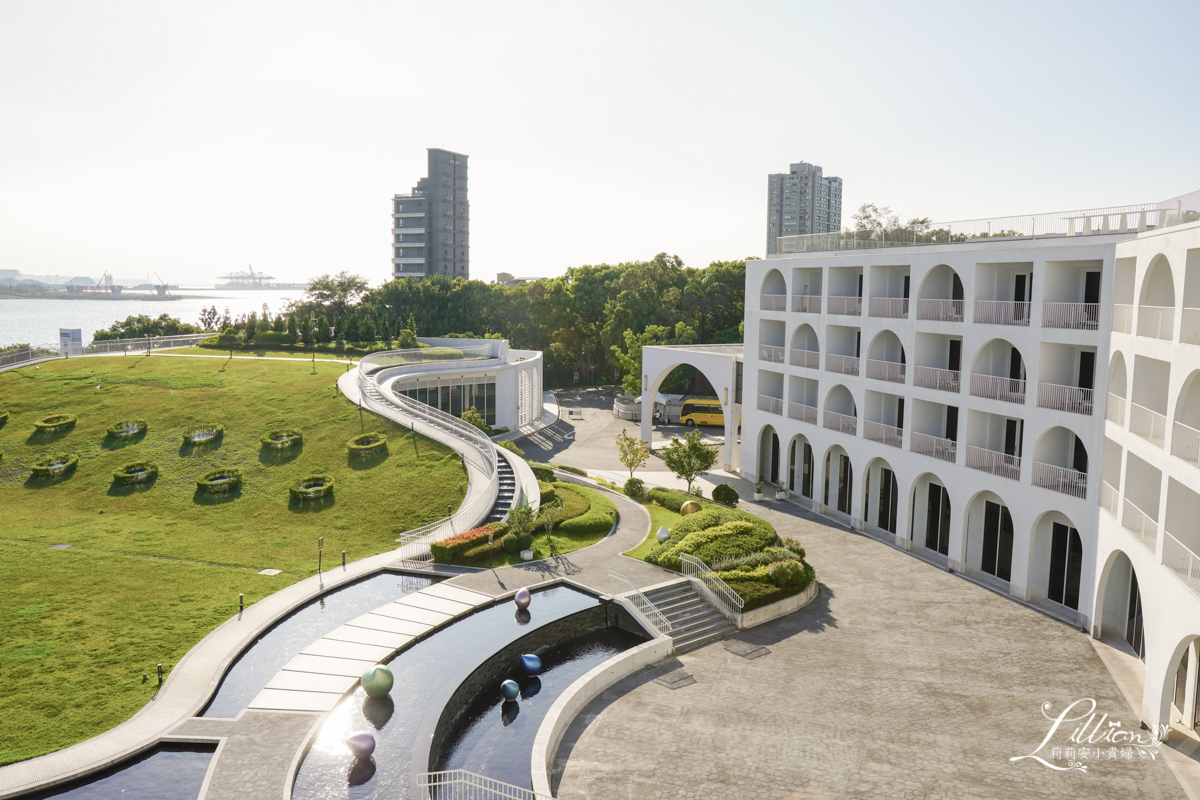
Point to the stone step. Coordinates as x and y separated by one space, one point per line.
681 607
703 637
670 593
699 622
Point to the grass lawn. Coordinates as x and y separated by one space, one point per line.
152 569
659 516
260 352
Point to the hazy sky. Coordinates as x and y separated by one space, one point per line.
193 138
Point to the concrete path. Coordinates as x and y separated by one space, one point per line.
900 680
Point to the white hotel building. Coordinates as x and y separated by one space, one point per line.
1023 410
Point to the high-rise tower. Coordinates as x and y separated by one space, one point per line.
802 201
431 225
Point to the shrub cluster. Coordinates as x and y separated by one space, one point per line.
367 444
548 492
127 427
635 488
737 537
135 472
189 437
542 472
219 481
282 438
313 487
55 422
669 499
54 465
599 517
725 494
274 337
448 551
513 542
573 470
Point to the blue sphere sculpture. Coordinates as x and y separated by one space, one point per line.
530 664
522 598
362 745
531 687
377 681
509 690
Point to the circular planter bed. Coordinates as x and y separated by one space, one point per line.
219 481
55 465
367 444
203 434
127 428
55 422
282 439
3 417
313 487
136 472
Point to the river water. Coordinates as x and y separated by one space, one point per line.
37 321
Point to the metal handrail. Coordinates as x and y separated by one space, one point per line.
940 310
1185 443
1148 424
841 422
880 370
805 358
806 303
1109 498
896 307
1180 559
1115 412
1002 312
461 784
1189 326
1076 316
995 462
846 365
1060 479
731 603
845 304
945 380
620 586
1146 531
1156 322
772 302
1008 390
1122 318
771 353
1074 399
881 432
802 412
145 343
934 446
370 364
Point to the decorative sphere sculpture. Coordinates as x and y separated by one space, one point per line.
509 690
362 745
523 616
530 664
377 681
689 507
531 687
663 534
522 598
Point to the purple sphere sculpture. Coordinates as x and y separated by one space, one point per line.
362 745
509 690
522 598
377 681
530 664
523 616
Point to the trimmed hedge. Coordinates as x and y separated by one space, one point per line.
543 473
54 465
122 429
509 446
273 337
733 538
573 470
451 550
313 487
282 438
757 594
217 431
635 488
599 517
135 472
367 444
548 492
673 500
725 494
212 481
55 422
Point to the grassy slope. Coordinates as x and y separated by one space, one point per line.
261 352
659 516
86 623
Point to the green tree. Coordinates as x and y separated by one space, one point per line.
291 325
277 324
632 451
406 340
251 327
520 519
689 457
472 417
630 359
336 293
324 332
208 318
305 329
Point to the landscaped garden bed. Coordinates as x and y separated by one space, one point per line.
282 439
314 487
203 434
128 428
219 481
54 466
136 472
366 445
3 418
55 423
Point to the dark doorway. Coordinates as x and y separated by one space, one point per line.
1066 558
1134 634
806 473
1012 437
952 423
888 494
956 287
1079 460
906 285
954 358
845 484
1180 698
997 541
1091 288
1087 369
937 520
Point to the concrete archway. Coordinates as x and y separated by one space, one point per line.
838 490
881 495
931 513
1180 684
719 365
802 467
1118 614
770 457
989 535
1058 561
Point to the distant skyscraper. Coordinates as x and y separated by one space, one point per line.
431 225
802 201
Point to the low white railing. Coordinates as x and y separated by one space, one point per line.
885 370
1002 312
806 303
772 405
769 352
1109 498
1185 443
20 355
773 302
1078 316
806 358
1010 390
940 310
460 784
1065 398
996 463
1122 318
1150 425
847 365
845 305
1116 409
1059 479
620 586
414 357
1178 558
1156 322
729 602
802 412
887 434
889 307
935 446
841 422
146 343
1140 525
1189 326
946 380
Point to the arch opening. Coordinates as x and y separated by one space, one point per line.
839 480
990 536
931 514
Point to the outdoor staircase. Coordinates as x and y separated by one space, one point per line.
694 619
507 497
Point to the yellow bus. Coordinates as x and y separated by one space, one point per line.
702 412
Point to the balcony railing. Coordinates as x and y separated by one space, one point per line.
846 305
1001 312
841 422
1078 316
945 380
1010 390
809 303
889 306
802 412
1156 322
1109 498
1150 425
773 302
1065 398
878 432
1116 409
806 358
885 370
1139 525
772 405
997 463
847 365
1060 479
1185 443
1189 326
769 352
1122 318
940 310
1182 561
926 445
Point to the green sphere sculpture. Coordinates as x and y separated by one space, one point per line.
377 681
